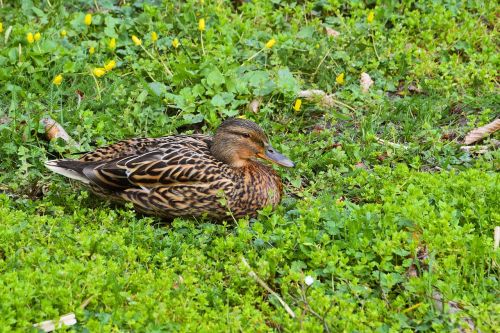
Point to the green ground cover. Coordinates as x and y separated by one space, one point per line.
384 210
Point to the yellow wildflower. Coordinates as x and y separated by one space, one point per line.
63 33
176 43
88 19
37 36
297 105
154 36
136 40
57 80
270 43
370 17
99 71
91 50
1 27
110 65
340 78
112 44
30 38
201 24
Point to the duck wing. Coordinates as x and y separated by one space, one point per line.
169 176
145 163
140 146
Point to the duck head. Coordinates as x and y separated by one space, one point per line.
238 141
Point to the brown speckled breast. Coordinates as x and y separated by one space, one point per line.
257 186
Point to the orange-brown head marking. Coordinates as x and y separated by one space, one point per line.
237 141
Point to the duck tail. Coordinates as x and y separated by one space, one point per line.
69 168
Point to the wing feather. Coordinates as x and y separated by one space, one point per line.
176 160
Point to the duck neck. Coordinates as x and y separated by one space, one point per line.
227 154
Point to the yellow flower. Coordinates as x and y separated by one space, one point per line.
1 27
91 50
297 105
99 71
176 43
201 24
136 40
37 36
340 78
110 65
63 33
154 36
57 80
370 17
270 43
30 38
88 19
112 44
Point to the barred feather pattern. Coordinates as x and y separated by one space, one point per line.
177 176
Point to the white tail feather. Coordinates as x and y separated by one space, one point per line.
52 165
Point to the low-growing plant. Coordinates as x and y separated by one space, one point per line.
386 225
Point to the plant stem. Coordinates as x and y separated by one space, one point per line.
202 46
169 72
265 286
374 47
98 88
256 54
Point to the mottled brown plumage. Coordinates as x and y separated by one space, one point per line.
185 175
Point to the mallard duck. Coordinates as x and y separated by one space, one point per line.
185 175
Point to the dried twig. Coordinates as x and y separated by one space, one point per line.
265 286
307 307
481 149
388 143
86 302
325 99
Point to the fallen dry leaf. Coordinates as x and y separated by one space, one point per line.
4 120
318 128
79 95
50 325
54 130
178 282
319 95
366 82
404 90
482 132
332 32
420 262
453 307
496 237
361 165
254 105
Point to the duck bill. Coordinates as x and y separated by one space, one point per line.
272 155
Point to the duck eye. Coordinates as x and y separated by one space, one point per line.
245 135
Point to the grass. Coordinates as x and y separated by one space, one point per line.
383 210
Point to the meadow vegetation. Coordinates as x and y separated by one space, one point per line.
388 216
